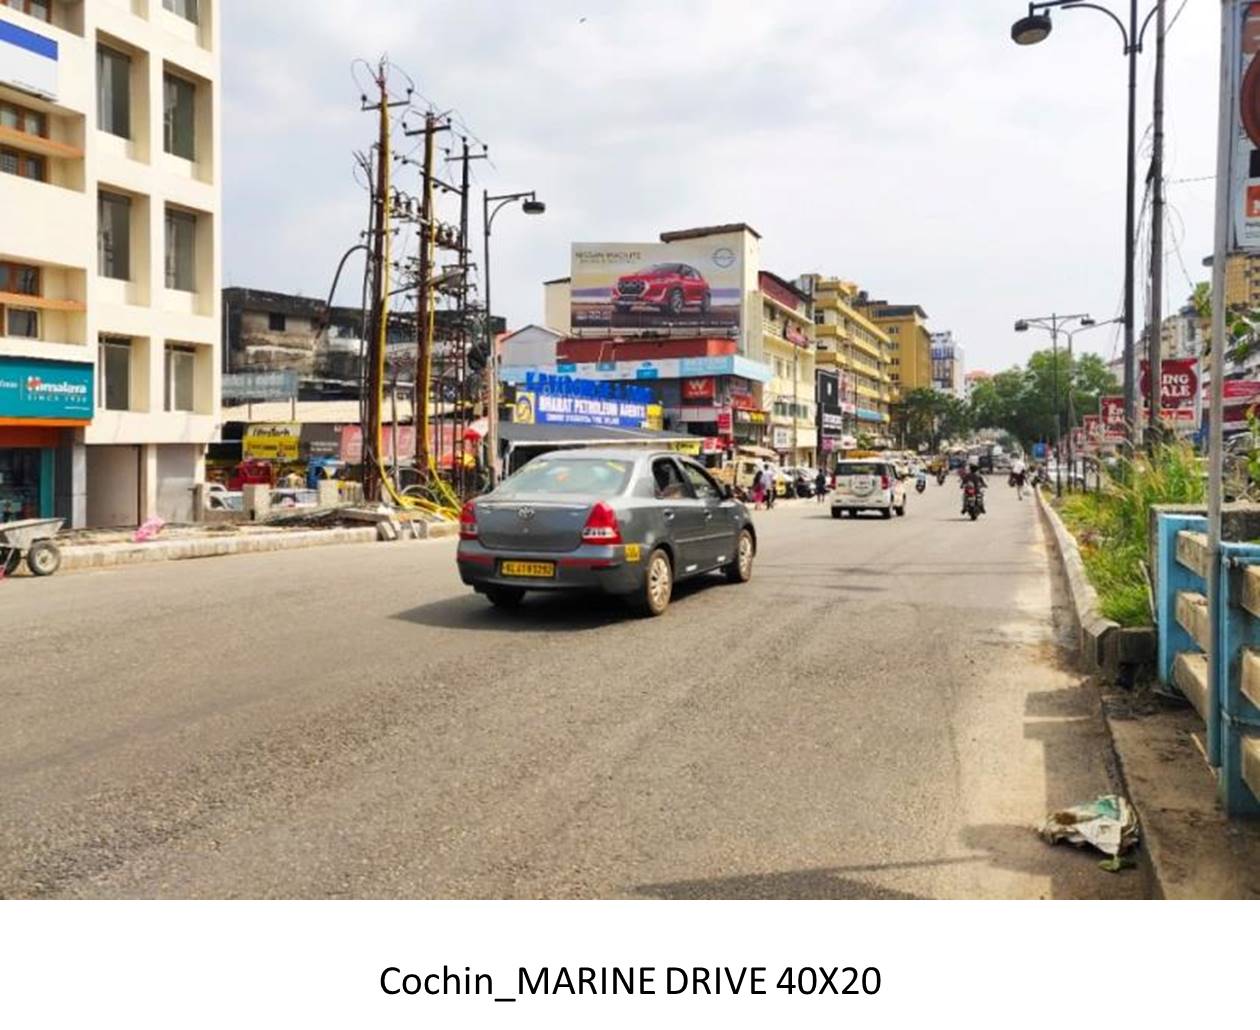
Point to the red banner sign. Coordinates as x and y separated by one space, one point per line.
697 389
1241 396
1179 389
1114 428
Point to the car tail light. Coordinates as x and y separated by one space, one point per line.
884 482
601 526
468 522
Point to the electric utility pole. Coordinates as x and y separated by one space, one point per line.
379 295
424 297
466 158
1154 345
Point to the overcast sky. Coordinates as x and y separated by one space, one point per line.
908 145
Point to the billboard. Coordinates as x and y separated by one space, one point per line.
695 286
28 61
58 391
1245 160
1180 400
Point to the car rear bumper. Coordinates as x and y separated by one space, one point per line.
604 569
859 503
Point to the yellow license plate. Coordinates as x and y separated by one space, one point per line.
529 569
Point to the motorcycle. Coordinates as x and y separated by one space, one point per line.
940 478
920 483
973 501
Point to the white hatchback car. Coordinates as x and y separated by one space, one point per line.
867 485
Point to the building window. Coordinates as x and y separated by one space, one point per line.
114 388
113 92
23 279
180 365
23 119
18 162
184 8
181 242
180 105
22 322
114 236
41 9
277 322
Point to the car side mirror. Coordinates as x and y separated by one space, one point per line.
728 492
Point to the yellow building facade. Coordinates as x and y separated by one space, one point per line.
906 327
855 347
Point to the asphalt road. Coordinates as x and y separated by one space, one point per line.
881 713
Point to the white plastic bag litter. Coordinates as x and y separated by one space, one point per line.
1108 823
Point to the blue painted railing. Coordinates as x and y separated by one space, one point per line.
1225 693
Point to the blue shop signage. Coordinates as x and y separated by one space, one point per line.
34 389
560 400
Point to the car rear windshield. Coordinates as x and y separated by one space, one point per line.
862 468
591 477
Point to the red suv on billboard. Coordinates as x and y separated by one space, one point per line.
670 288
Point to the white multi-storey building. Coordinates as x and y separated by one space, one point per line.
110 189
949 374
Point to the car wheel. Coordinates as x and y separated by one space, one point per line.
706 302
658 586
740 570
43 559
901 512
505 597
836 513
674 305
10 559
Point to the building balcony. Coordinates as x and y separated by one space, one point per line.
43 224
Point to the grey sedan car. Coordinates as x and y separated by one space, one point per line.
625 522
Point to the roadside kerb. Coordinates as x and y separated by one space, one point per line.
101 556
1098 638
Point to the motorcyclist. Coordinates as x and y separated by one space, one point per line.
971 475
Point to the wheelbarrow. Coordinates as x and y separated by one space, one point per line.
32 540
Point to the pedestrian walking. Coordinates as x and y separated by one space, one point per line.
758 489
820 486
772 487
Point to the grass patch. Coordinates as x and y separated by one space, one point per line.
1110 527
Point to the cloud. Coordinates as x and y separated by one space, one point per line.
909 146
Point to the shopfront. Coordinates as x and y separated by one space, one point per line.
42 403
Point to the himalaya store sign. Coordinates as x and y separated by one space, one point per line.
556 400
46 390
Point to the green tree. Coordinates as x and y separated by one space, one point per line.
926 417
1024 401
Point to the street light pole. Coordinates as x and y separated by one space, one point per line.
531 206
1033 29
1086 325
1054 325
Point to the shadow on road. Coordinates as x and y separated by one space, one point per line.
826 884
542 611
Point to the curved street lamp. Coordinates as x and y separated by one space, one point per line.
1032 29
531 205
1035 27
